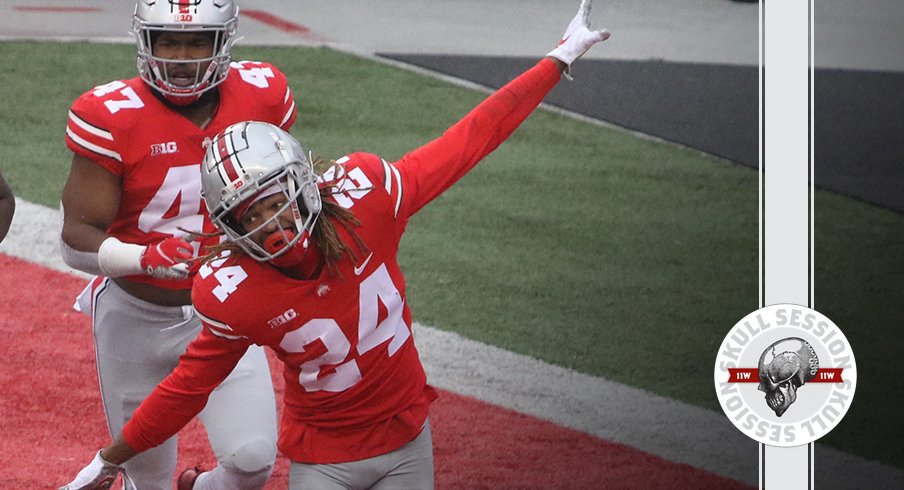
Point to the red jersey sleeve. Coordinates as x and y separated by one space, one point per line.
207 361
271 90
287 111
429 170
94 119
362 175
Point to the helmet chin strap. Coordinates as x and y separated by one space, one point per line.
296 213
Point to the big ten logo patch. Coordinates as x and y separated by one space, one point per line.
785 375
164 148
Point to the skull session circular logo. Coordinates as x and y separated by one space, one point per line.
785 375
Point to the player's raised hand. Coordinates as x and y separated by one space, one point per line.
167 259
98 475
578 37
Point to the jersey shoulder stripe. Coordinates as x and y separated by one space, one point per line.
373 182
101 119
89 128
218 328
76 139
390 176
290 111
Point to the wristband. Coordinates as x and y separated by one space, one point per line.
117 259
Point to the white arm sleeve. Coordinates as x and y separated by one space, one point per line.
83 261
112 259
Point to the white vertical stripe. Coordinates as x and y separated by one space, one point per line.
288 114
785 179
786 153
812 130
387 178
398 179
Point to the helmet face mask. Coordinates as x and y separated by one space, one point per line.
253 159
217 18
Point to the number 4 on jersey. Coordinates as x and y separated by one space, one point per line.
378 288
256 76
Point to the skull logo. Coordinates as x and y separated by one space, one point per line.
784 367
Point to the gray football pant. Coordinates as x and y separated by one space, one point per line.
408 468
137 345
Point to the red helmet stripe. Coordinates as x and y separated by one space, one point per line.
226 158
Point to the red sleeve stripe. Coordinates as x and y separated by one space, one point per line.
91 146
89 127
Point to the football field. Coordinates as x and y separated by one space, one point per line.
582 250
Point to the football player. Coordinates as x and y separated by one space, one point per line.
132 196
7 207
309 268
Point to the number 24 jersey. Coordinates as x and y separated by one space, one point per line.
355 387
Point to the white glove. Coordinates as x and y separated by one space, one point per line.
578 38
98 475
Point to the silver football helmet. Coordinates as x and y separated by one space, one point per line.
219 17
250 159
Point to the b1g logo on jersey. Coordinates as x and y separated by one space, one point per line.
785 375
164 148
283 319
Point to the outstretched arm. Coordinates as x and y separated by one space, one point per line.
431 169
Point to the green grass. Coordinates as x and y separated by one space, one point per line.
582 246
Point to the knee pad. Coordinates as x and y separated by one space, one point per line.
254 456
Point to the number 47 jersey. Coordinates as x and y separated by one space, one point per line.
156 152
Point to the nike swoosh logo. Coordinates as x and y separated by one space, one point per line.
360 268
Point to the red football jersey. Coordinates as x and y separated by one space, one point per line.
355 387
126 129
